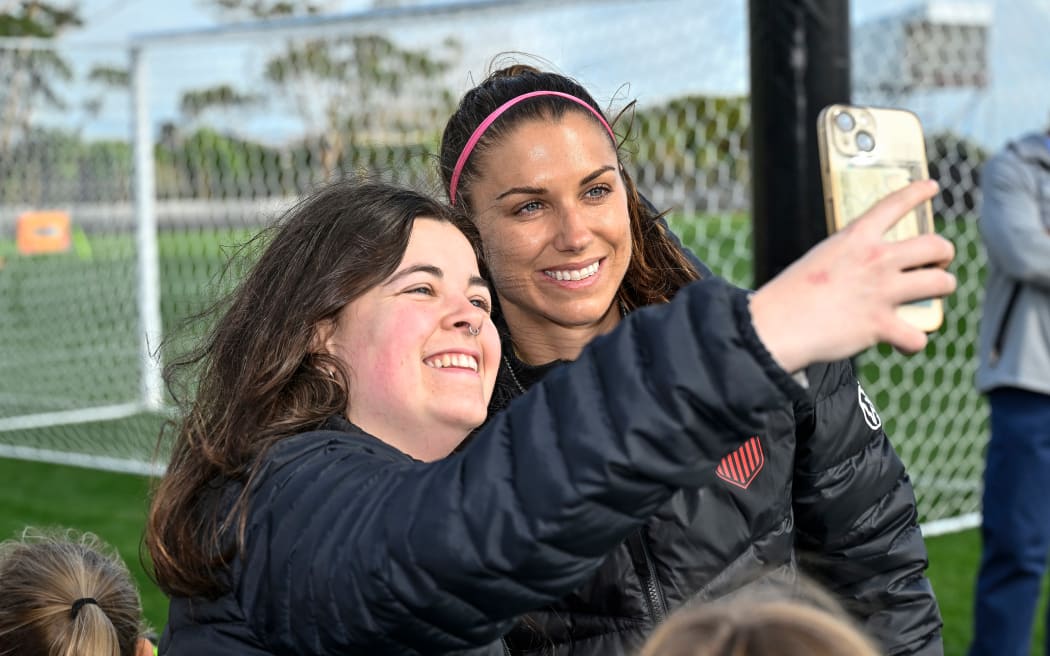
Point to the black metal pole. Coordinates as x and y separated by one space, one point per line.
799 64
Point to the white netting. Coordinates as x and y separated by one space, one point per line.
244 119
69 338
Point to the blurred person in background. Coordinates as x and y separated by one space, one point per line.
1014 372
573 250
777 619
313 503
67 594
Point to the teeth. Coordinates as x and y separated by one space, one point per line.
459 360
575 274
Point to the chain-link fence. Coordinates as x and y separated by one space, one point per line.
239 121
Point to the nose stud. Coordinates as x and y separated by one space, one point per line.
473 331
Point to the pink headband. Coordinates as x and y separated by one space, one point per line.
491 118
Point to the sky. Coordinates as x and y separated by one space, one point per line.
1016 99
116 20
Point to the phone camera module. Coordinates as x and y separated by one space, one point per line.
844 121
865 141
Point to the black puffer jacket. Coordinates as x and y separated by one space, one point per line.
817 487
354 548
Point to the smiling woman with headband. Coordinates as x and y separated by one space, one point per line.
573 251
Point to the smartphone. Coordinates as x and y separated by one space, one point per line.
865 154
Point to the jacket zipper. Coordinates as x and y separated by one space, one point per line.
653 598
506 649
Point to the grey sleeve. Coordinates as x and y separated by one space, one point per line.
1014 233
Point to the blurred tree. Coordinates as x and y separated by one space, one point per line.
110 76
699 142
56 167
28 74
208 164
104 80
196 102
345 89
249 10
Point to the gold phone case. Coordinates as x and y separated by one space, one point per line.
865 154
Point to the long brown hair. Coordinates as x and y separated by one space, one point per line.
66 594
658 268
255 379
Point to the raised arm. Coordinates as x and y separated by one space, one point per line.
409 557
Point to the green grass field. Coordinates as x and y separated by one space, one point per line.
114 507
953 567
69 326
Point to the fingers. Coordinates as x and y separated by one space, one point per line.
920 284
921 251
891 209
905 337
921 262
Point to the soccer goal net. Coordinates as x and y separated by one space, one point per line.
129 172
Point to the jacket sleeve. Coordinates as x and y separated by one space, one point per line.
1014 233
856 518
345 552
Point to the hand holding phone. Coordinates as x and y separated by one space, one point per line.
845 294
866 153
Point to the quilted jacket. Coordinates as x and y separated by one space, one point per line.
817 487
352 547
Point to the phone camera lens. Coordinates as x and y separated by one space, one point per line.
865 141
844 121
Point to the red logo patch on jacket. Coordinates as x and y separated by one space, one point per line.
742 465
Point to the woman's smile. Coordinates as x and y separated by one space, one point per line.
574 272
